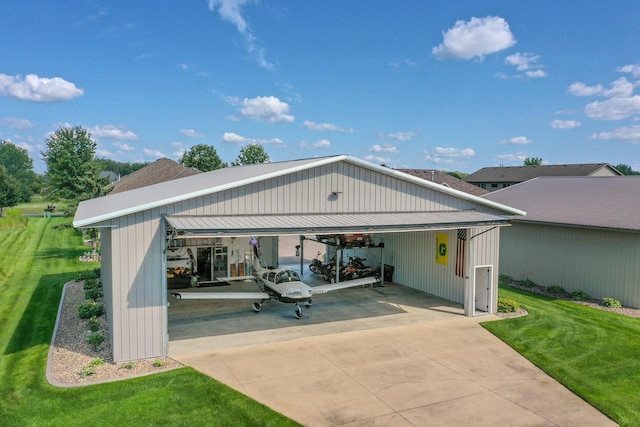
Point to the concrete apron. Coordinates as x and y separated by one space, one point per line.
390 356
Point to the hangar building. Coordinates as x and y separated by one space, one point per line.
438 240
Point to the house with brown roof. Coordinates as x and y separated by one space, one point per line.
495 178
161 170
579 233
445 179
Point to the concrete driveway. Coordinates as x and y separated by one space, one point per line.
368 357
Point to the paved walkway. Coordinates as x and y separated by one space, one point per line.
418 362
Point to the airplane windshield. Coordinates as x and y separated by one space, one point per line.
287 276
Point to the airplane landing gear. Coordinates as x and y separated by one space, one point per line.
308 303
256 307
298 312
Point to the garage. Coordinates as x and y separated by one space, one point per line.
436 240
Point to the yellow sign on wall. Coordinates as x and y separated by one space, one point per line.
442 249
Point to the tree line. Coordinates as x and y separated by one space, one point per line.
73 171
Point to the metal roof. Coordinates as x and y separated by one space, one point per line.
601 202
93 211
334 223
510 174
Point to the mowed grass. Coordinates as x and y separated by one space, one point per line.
36 206
35 262
594 353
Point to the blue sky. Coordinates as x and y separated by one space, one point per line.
455 85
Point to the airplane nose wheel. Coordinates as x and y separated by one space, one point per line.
298 312
256 307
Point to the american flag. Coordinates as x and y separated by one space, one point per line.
462 240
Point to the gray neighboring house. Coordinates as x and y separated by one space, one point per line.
579 233
418 221
495 178
445 179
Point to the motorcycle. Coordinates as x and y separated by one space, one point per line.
316 265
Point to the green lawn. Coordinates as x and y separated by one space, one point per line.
36 206
35 262
594 353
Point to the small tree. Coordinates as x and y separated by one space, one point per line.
20 166
202 157
72 172
533 161
9 190
626 169
251 154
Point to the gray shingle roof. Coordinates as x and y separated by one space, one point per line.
445 179
161 170
511 174
602 202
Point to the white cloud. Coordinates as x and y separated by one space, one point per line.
16 123
512 158
266 109
402 136
518 140
629 134
614 108
580 89
449 156
386 148
25 146
234 138
122 146
103 153
535 74
565 124
528 63
634 69
476 38
38 89
325 126
112 132
322 143
191 133
231 11
377 159
620 88
154 153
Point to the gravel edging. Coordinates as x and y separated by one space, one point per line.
70 354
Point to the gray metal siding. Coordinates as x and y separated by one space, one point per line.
413 256
106 275
484 248
601 263
359 190
139 294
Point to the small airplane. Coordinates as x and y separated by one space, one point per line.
283 285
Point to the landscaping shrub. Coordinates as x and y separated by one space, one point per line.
556 290
90 309
86 371
98 361
158 363
128 365
503 279
611 303
94 325
528 283
580 296
92 284
507 305
93 294
95 339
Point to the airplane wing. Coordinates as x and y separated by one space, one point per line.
323 289
221 295
235 278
